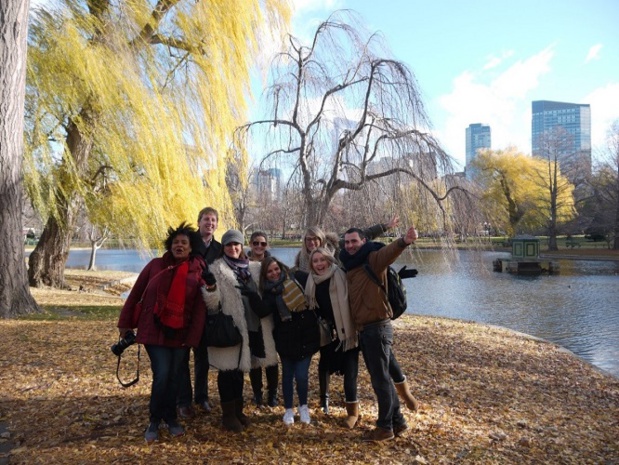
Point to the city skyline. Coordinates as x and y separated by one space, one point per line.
486 61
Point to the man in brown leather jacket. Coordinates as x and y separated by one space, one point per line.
372 315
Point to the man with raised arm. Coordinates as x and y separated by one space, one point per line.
371 313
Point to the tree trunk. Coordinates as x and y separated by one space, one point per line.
47 261
93 256
15 297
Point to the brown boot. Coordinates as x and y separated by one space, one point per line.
228 417
352 410
238 410
378 434
406 396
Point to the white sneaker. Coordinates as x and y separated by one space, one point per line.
304 414
289 417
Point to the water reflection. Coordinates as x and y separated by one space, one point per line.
576 309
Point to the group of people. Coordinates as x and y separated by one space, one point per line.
278 311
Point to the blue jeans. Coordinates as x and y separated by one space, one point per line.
376 341
165 363
295 370
395 370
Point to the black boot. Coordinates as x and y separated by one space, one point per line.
255 376
238 410
272 380
323 381
229 419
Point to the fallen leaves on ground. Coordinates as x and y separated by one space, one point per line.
488 396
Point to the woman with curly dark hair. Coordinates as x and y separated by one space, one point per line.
169 318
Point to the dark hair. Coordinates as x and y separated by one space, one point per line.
265 265
206 211
358 231
185 230
258 234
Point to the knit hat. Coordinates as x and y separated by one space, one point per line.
232 235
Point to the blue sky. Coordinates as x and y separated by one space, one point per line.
484 61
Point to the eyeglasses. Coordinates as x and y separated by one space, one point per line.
257 243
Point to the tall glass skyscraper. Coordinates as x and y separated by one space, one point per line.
478 137
574 119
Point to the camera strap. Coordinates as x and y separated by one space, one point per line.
137 373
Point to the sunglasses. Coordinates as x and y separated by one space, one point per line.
257 243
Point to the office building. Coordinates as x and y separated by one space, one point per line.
566 129
478 136
269 185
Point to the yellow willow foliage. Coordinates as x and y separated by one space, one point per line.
159 95
509 176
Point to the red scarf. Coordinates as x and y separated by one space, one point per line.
173 315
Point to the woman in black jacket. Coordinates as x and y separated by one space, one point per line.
296 332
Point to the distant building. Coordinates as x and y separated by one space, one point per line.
478 136
575 120
269 185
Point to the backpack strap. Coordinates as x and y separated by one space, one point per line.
373 277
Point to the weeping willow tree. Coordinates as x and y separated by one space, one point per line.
130 106
343 112
516 195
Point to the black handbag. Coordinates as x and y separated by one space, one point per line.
220 331
327 332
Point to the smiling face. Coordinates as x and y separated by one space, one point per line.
233 249
273 271
207 225
352 242
258 246
311 242
181 247
320 265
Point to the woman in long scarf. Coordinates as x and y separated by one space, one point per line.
327 293
297 336
170 321
236 294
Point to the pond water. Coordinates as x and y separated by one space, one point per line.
576 309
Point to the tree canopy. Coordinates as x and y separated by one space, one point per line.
130 109
515 192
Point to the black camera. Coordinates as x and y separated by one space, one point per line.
119 348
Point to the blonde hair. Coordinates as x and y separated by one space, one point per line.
325 253
316 232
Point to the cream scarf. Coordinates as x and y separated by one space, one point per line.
338 293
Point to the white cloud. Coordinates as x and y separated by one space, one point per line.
499 101
604 103
594 53
494 61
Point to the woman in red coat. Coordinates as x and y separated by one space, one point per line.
170 322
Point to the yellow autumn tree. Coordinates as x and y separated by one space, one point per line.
130 108
514 196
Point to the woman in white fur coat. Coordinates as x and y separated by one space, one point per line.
236 291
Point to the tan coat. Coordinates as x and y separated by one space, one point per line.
368 302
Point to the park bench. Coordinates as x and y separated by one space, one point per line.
572 243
